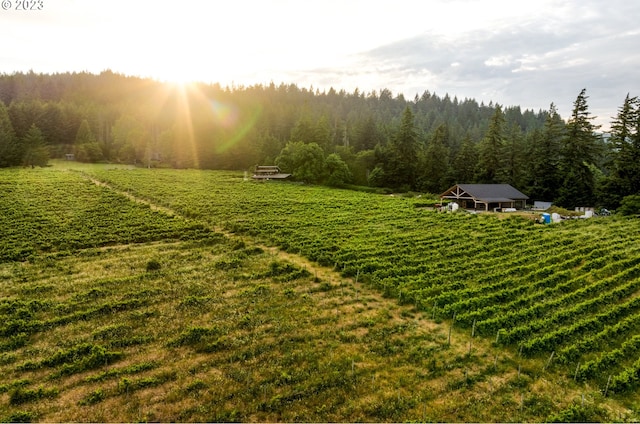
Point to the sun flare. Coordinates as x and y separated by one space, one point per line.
176 76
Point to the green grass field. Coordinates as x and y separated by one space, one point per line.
180 295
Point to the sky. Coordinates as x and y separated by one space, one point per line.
514 53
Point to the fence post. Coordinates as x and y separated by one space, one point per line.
549 361
606 389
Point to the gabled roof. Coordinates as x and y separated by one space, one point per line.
269 172
490 193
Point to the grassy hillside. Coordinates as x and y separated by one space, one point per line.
126 302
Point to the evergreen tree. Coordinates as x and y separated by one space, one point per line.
53 125
545 158
367 135
131 140
22 115
491 151
36 152
515 156
580 145
401 166
84 134
464 163
9 148
625 137
435 165
307 131
87 149
323 134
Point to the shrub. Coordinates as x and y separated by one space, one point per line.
286 271
193 336
226 264
196 386
630 205
21 395
20 417
94 397
153 265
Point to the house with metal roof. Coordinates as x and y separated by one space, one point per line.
269 173
486 196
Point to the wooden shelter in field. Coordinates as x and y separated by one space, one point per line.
486 196
268 172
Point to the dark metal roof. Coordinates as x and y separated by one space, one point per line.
269 172
490 193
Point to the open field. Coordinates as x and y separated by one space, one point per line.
198 296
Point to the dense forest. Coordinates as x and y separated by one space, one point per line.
332 137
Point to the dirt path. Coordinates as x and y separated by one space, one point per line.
324 273
132 197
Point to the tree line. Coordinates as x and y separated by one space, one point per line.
377 139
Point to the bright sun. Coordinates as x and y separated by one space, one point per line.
181 83
177 76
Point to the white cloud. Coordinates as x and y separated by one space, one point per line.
530 60
499 61
524 53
